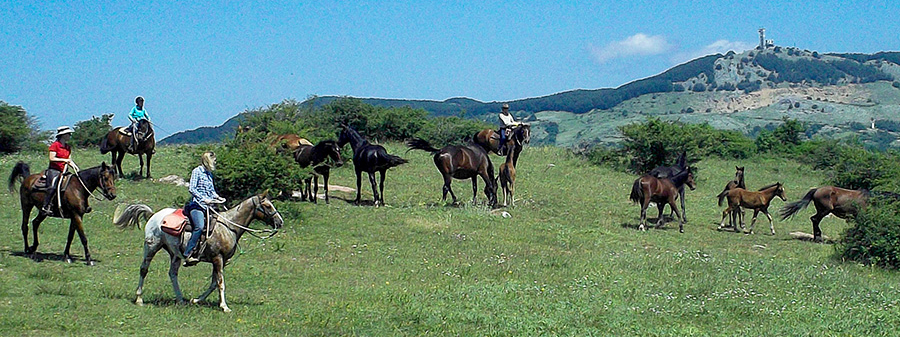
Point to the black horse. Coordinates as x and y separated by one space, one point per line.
671 171
369 158
462 162
315 156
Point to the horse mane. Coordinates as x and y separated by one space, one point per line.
767 187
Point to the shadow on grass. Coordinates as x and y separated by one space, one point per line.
40 257
668 224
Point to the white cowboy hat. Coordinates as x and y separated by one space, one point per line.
62 130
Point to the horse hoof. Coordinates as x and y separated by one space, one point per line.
69 260
226 309
90 263
195 301
139 302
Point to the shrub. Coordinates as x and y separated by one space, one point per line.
699 87
655 142
253 167
450 130
874 238
896 85
19 131
89 133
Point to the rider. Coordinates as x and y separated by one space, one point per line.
203 195
507 122
60 151
137 113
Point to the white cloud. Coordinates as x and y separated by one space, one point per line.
637 44
720 47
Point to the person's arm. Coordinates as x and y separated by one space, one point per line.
194 184
131 115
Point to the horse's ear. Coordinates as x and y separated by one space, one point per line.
265 194
103 165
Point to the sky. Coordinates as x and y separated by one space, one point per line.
199 63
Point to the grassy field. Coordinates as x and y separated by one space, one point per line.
569 261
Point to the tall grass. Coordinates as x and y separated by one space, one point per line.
568 261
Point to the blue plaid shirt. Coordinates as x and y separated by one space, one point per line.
202 186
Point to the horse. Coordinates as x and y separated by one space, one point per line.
220 246
288 142
508 180
489 139
661 191
843 203
117 143
758 201
671 171
738 182
461 162
369 158
73 199
308 155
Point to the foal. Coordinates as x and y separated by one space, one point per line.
508 179
758 201
738 182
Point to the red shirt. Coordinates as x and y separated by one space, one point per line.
61 152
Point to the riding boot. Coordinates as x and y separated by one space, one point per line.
193 257
46 209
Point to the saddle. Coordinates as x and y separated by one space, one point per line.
43 185
124 131
177 223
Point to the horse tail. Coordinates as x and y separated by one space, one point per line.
104 145
722 195
20 171
637 194
420 144
393 160
131 215
793 207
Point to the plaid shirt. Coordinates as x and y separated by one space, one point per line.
202 186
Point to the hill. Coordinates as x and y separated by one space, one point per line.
853 89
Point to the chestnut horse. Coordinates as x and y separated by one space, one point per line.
508 180
117 143
316 156
758 201
369 158
661 191
221 244
489 139
288 142
738 182
73 198
843 203
462 162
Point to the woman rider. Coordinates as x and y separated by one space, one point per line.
137 113
203 195
60 151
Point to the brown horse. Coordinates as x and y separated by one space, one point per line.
462 162
508 180
118 144
288 142
843 203
489 139
316 156
661 191
73 199
738 182
758 201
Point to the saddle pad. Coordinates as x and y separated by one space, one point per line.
123 130
173 224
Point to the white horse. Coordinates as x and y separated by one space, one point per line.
221 243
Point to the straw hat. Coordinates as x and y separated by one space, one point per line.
63 130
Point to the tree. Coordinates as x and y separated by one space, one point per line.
90 132
18 130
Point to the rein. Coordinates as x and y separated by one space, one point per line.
249 230
100 182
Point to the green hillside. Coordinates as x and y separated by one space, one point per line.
567 261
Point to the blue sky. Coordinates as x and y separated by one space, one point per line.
200 63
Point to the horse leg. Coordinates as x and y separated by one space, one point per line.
174 264
660 221
325 180
141 170
725 213
315 189
644 206
113 162
680 216
213 282
511 190
69 240
149 155
358 184
219 264
119 163
149 253
447 188
374 187
381 187
683 210
771 224
817 232
753 221
79 226
474 189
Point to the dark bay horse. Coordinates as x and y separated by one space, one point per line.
74 201
221 244
462 162
737 182
841 202
661 191
671 171
117 143
489 139
369 158
757 201
316 156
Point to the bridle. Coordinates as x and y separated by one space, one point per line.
257 204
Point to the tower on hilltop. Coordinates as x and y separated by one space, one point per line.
762 38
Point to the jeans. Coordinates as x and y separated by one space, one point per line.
51 190
198 218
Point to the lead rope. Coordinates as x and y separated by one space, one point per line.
251 231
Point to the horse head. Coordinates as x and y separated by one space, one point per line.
334 152
144 130
264 210
523 134
107 180
690 179
779 191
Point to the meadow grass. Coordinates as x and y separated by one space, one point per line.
569 261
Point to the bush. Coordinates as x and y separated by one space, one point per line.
90 132
699 87
874 238
655 142
244 170
896 85
19 131
450 130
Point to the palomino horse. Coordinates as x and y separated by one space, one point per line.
489 139
508 180
843 203
117 143
661 191
73 198
315 156
738 182
671 171
288 142
220 245
461 162
758 201
369 158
